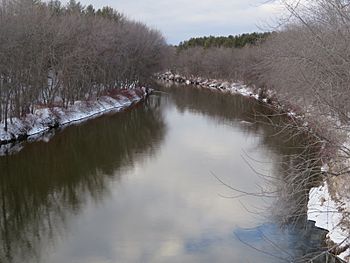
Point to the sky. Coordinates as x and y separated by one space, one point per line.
180 20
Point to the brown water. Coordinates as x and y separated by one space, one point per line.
152 184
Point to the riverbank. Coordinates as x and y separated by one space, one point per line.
45 118
329 205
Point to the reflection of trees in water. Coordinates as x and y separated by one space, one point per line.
44 183
296 168
300 173
225 109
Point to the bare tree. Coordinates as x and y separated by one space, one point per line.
52 53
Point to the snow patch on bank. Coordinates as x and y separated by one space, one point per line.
223 86
328 214
44 119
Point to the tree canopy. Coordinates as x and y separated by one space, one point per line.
230 41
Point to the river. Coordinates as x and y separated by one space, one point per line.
187 176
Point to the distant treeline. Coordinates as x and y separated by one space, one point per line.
306 63
230 41
54 53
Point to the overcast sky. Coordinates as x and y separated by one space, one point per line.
179 20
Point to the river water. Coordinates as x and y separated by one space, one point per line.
187 176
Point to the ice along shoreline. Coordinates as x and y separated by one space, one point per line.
44 119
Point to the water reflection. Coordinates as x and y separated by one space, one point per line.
139 187
46 183
294 170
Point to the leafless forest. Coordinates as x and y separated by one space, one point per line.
306 63
52 53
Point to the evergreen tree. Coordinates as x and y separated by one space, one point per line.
230 41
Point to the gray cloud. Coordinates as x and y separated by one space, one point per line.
181 19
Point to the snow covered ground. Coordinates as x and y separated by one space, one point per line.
329 204
44 119
223 86
329 211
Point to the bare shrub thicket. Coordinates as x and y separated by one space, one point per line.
307 64
50 52
215 62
